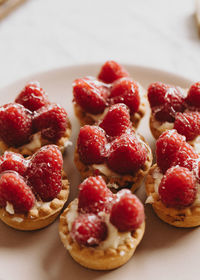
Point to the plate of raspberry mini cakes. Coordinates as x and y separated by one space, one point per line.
84 185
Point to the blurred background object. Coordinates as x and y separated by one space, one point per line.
198 15
7 6
45 34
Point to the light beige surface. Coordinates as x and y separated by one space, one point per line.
40 255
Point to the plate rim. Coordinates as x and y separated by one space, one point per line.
97 64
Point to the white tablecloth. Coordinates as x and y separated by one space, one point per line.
44 34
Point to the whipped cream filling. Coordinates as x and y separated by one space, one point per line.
157 175
104 169
9 208
114 238
35 142
163 126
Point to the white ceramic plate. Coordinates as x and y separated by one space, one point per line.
164 253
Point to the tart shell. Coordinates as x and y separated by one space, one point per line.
26 151
131 182
96 258
38 217
185 217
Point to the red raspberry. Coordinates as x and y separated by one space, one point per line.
171 149
52 121
92 144
14 190
178 187
156 94
90 95
15 124
127 154
44 172
127 213
94 196
13 161
116 121
165 101
188 124
88 230
126 91
111 71
32 97
193 97
185 157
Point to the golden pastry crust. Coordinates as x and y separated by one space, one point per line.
96 258
86 118
26 150
130 181
185 217
40 215
156 132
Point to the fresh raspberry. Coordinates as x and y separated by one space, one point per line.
178 187
32 97
185 157
156 94
90 95
111 71
127 154
116 121
127 213
92 144
44 172
14 190
126 91
94 196
188 124
88 230
172 149
52 121
13 161
15 124
193 97
165 101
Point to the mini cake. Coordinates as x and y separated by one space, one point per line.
173 107
32 122
172 185
93 96
34 190
99 229
113 150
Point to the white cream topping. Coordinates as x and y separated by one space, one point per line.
35 143
104 169
114 238
17 219
72 214
9 208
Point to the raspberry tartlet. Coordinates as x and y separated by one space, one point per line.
172 185
93 96
101 230
175 108
113 150
33 190
32 122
